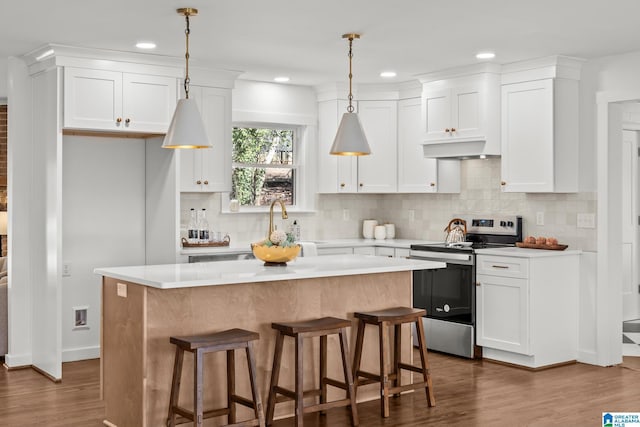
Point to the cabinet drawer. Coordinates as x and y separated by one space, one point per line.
383 251
502 266
334 251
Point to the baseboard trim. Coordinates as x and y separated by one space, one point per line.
20 361
81 353
588 356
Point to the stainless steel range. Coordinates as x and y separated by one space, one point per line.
448 294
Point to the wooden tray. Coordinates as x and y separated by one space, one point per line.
536 246
225 242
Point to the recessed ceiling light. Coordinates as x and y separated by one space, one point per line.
486 55
146 45
388 74
281 79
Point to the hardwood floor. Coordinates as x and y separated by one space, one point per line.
467 393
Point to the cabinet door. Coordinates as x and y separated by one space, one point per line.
215 108
327 164
148 102
377 173
417 174
527 137
466 120
436 114
384 251
92 99
502 313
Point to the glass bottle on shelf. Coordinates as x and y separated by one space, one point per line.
203 227
192 228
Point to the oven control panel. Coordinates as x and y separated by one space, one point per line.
493 224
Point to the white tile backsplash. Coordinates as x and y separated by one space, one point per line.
480 193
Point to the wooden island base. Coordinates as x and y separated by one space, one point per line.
137 358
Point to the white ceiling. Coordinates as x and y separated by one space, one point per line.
302 38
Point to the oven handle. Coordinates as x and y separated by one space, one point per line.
441 256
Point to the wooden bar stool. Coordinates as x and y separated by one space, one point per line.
228 341
384 319
307 329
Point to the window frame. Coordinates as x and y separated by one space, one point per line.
303 197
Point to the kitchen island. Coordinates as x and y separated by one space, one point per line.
143 306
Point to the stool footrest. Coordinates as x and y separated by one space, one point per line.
243 401
188 415
410 367
248 423
291 395
324 406
335 383
407 387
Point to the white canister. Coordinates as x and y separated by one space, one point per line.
380 232
367 228
390 230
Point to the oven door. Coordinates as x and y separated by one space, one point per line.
446 293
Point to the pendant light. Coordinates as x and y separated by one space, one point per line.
186 129
350 139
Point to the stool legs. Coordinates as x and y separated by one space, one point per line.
299 386
175 386
383 331
426 375
251 361
397 348
197 389
351 389
275 374
231 385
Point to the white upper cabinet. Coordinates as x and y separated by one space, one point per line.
540 126
417 174
460 114
209 169
377 171
106 100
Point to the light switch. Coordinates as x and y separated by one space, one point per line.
122 290
586 220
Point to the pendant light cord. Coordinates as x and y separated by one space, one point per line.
187 80
350 108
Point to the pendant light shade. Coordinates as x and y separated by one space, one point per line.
186 129
350 139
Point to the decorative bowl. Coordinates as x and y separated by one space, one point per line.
275 255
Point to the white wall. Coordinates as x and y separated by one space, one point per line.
4 78
103 197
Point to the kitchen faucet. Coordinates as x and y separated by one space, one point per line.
284 214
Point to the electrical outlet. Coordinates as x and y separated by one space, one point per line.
586 220
539 218
412 215
121 291
66 269
345 214
80 317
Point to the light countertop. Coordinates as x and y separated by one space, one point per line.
526 252
320 243
169 276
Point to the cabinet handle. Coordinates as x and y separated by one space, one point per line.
342 185
447 130
477 283
453 129
432 184
504 267
119 120
198 182
128 120
206 183
503 183
361 185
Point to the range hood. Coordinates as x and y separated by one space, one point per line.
459 149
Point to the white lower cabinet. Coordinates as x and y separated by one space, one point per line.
365 250
392 252
527 307
335 251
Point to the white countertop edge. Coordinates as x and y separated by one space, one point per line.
320 243
526 252
172 276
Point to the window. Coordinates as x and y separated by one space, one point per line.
264 165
